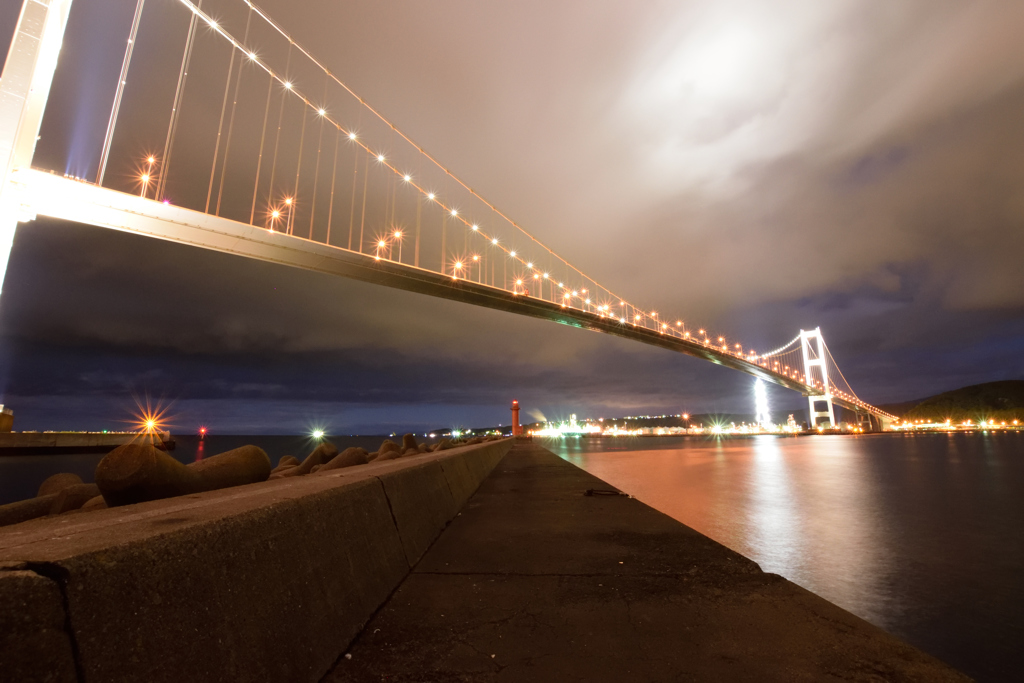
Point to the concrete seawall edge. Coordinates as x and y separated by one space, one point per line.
269 581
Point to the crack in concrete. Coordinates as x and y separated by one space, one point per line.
59 575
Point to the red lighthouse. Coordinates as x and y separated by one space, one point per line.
516 429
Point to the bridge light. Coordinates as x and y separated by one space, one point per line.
351 136
321 111
702 332
560 284
519 283
288 85
398 234
622 320
288 201
475 257
512 254
536 277
455 212
475 227
407 177
458 265
494 241
529 265
545 276
380 157
382 244
587 302
252 56
151 160
654 314
430 196
144 178
275 214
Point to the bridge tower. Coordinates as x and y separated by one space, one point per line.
24 89
813 347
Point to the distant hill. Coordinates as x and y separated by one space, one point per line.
989 401
900 409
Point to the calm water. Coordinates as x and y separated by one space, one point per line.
21 475
922 535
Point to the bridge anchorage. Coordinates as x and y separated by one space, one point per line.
265 153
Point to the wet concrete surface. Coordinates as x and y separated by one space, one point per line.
535 581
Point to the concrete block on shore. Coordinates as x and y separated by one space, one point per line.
57 482
320 455
286 461
135 473
387 455
409 441
34 645
350 457
24 510
73 498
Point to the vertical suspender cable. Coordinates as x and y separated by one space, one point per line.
231 119
280 116
316 175
263 140
220 127
172 126
105 154
352 209
362 217
298 170
419 209
444 239
334 176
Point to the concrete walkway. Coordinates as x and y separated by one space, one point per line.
534 581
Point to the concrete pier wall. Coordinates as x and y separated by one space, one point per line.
265 582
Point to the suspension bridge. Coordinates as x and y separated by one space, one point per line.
263 152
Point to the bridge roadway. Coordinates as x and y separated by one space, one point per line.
44 193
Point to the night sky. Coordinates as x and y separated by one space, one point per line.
758 167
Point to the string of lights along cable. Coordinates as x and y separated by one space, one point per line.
254 128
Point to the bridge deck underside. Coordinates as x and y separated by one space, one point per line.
51 195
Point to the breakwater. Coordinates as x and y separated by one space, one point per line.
476 563
266 581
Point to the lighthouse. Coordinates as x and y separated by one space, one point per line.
516 429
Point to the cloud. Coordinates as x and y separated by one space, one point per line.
746 167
